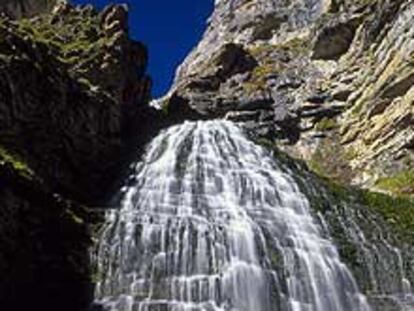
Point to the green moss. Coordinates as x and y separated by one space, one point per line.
350 153
296 45
356 110
398 212
331 159
315 164
5 58
276 259
259 76
75 218
18 164
267 143
326 124
347 249
258 50
400 184
74 38
86 84
165 108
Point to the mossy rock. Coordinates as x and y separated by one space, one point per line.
400 184
16 162
326 124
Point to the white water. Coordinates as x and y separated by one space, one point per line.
210 222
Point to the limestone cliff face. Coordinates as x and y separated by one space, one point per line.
328 81
73 103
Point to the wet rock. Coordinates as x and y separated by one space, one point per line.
386 304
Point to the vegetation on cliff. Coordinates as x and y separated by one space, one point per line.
372 231
73 90
332 86
336 77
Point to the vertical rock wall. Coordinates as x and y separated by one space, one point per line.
74 99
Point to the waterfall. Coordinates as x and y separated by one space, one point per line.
210 221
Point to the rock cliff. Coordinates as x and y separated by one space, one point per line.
73 92
74 99
329 81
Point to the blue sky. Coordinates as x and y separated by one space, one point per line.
170 29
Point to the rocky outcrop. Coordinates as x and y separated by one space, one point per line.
333 79
73 105
329 82
270 33
202 92
74 92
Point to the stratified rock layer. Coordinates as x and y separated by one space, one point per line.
329 82
328 75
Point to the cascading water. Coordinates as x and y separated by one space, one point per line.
211 222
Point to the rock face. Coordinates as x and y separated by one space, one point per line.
44 244
26 8
330 81
73 92
73 103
